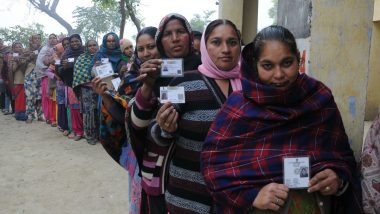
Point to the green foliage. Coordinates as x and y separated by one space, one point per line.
95 21
22 34
273 11
199 22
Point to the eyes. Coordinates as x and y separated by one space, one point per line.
149 47
230 42
178 32
286 63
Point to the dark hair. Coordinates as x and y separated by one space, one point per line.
77 36
276 33
151 31
216 23
251 53
197 34
162 26
16 43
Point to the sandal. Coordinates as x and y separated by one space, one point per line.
66 132
71 135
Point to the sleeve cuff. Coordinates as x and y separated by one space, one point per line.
144 104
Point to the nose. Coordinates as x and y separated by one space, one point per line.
225 48
175 37
278 72
146 53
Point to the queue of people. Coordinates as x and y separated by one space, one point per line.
248 133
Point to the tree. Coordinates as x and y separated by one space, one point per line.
198 22
50 8
127 10
273 11
22 34
87 20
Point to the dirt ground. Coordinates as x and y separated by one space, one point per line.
42 171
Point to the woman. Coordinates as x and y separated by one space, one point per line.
30 83
110 49
126 48
205 91
279 113
17 66
88 98
113 136
41 67
370 168
69 58
63 111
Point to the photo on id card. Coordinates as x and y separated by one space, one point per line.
296 172
174 94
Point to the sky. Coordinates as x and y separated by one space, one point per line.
21 12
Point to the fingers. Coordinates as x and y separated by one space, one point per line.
99 86
272 196
326 182
167 117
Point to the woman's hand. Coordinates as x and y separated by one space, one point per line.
99 86
271 197
167 117
149 72
326 182
123 70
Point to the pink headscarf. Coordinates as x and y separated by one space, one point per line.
209 69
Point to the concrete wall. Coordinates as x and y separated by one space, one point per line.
376 13
373 91
243 13
295 15
232 10
250 20
341 33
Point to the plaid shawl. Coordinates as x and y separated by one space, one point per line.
82 68
259 126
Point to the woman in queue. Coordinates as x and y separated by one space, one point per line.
279 114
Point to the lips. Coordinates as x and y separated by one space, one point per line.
226 58
280 85
177 48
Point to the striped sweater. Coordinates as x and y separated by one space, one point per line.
186 191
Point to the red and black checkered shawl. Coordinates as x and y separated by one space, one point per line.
259 126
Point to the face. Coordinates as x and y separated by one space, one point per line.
36 40
92 47
65 43
197 44
146 48
17 48
128 51
277 66
223 47
53 40
111 42
175 39
75 43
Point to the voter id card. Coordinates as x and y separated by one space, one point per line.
172 67
296 172
175 94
